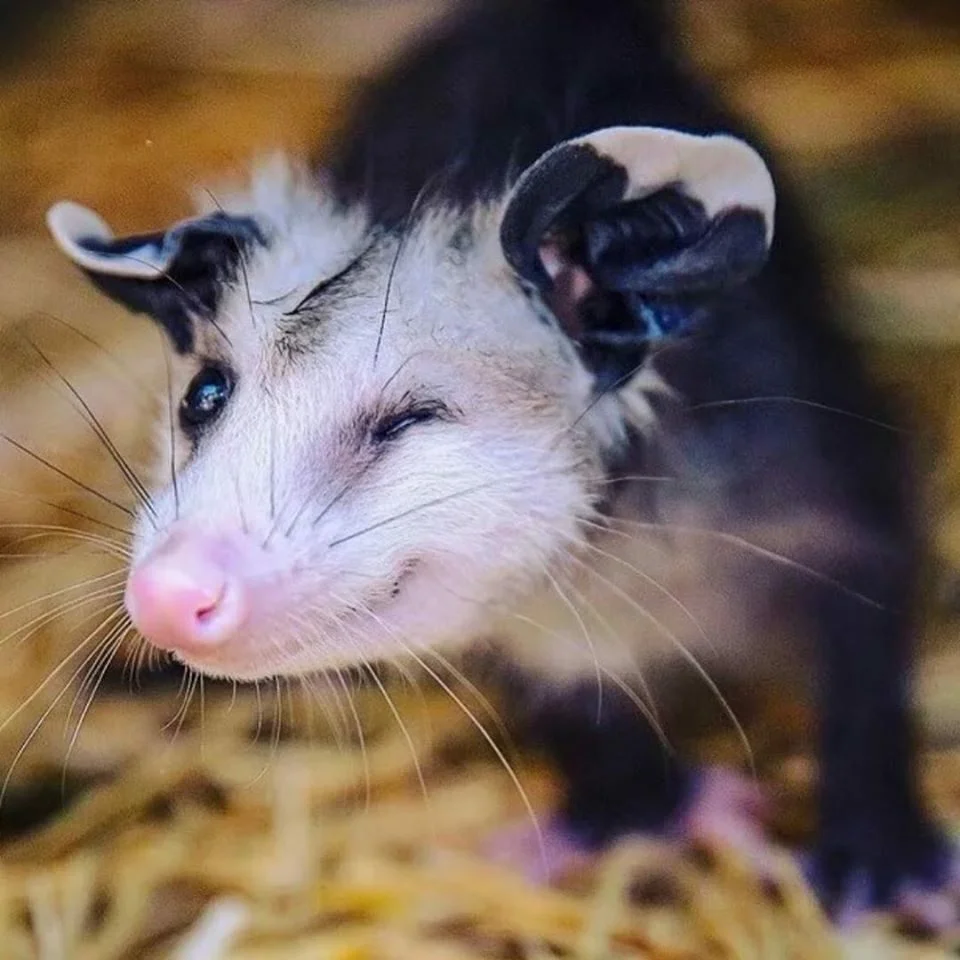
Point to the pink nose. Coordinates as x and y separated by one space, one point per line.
183 596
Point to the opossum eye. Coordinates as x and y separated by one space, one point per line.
389 428
205 397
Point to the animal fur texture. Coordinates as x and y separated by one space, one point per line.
530 361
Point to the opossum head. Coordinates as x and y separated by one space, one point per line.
381 437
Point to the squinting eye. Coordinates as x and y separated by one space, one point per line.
391 427
205 397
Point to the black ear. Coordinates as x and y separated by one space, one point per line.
629 232
175 276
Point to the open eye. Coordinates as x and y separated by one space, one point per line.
205 397
389 428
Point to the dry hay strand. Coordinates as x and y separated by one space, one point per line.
216 843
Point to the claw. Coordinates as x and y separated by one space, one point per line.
915 879
724 807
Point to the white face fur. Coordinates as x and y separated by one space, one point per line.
376 491
412 452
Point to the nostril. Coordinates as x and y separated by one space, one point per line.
207 613
185 601
219 618
207 609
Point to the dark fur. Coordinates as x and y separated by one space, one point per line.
458 120
209 256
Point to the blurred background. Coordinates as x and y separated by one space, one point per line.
127 107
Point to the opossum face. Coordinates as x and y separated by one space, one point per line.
382 439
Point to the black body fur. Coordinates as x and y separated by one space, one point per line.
458 120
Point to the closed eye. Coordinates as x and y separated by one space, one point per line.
390 427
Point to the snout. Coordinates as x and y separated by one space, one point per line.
188 596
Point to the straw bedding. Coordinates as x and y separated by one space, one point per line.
244 831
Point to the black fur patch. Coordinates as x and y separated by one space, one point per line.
498 84
210 255
621 778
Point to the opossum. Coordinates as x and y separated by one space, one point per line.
532 360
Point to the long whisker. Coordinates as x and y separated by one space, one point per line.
133 481
274 729
118 367
435 502
46 713
139 656
108 550
337 498
334 724
341 493
188 686
491 742
659 587
482 700
57 593
568 603
639 478
31 628
685 653
241 259
190 296
314 698
642 706
344 490
110 645
51 676
502 482
395 713
799 401
117 612
361 740
259 696
498 752
386 296
173 440
65 509
306 503
668 634
409 222
66 476
753 548
597 398
116 547
649 709
405 733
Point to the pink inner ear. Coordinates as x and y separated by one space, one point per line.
571 286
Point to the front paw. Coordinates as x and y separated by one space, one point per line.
907 868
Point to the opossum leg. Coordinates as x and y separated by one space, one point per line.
876 847
621 779
723 808
620 776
